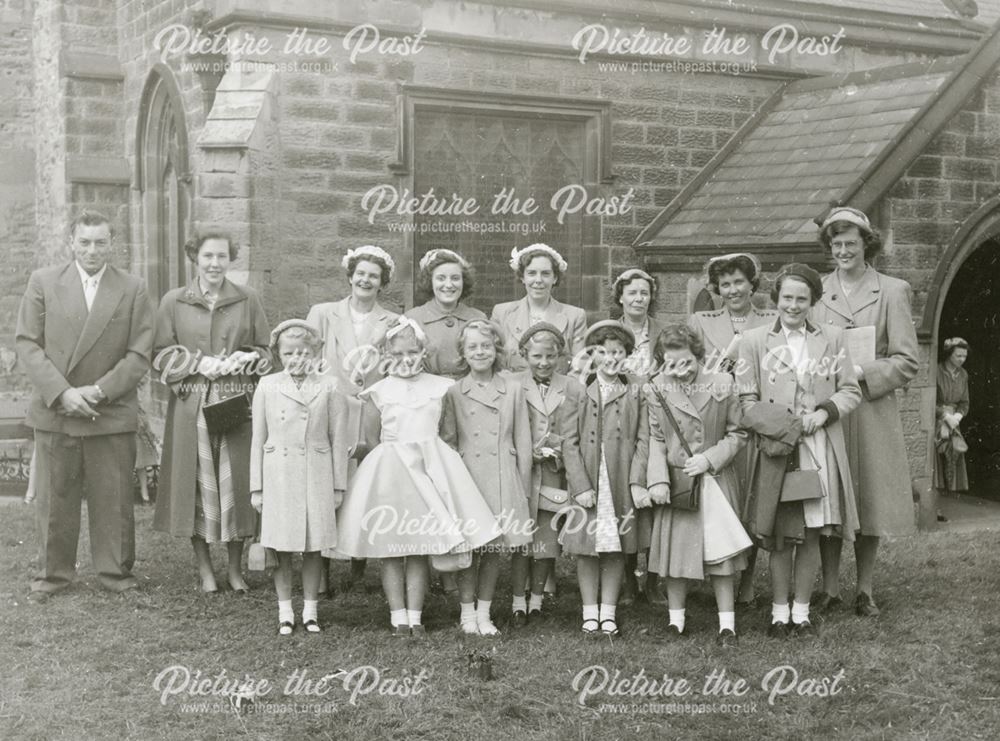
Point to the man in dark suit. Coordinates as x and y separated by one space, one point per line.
84 335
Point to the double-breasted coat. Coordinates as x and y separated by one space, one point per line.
298 460
722 350
709 420
442 329
835 389
624 442
185 327
874 432
557 416
489 427
514 317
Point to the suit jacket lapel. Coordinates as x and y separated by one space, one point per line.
109 295
556 394
680 401
72 300
343 328
534 396
816 344
522 318
833 298
776 347
868 291
719 331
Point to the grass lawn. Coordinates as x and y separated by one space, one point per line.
84 665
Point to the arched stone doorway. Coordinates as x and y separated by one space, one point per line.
163 177
964 301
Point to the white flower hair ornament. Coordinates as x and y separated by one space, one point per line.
402 323
369 250
515 256
441 252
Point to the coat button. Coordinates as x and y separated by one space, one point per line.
449 322
513 451
496 411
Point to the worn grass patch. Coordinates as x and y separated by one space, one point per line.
83 666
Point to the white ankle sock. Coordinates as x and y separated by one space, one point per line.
518 603
468 611
591 612
677 617
285 613
413 617
727 620
309 610
398 617
779 613
800 612
483 609
608 612
535 602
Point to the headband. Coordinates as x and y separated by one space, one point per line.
402 323
633 273
451 254
369 250
515 256
732 255
850 215
952 342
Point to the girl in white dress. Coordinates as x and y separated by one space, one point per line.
412 495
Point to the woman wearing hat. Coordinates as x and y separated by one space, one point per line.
857 295
352 329
447 278
805 368
952 406
735 278
539 268
635 291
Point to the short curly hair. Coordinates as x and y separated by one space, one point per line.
524 259
618 289
352 265
425 278
678 337
729 265
483 326
950 346
193 246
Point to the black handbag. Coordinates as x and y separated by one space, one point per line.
685 491
799 485
227 414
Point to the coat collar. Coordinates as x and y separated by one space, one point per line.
229 293
692 401
867 292
311 386
553 397
593 391
431 312
110 292
491 394
555 314
343 327
816 345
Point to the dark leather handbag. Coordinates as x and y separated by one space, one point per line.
799 485
227 414
685 491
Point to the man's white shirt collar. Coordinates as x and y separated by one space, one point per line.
85 276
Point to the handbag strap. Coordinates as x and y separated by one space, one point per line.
672 420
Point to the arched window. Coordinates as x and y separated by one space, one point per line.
163 176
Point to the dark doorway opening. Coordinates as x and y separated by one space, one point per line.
972 311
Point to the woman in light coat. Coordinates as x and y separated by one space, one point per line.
857 295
